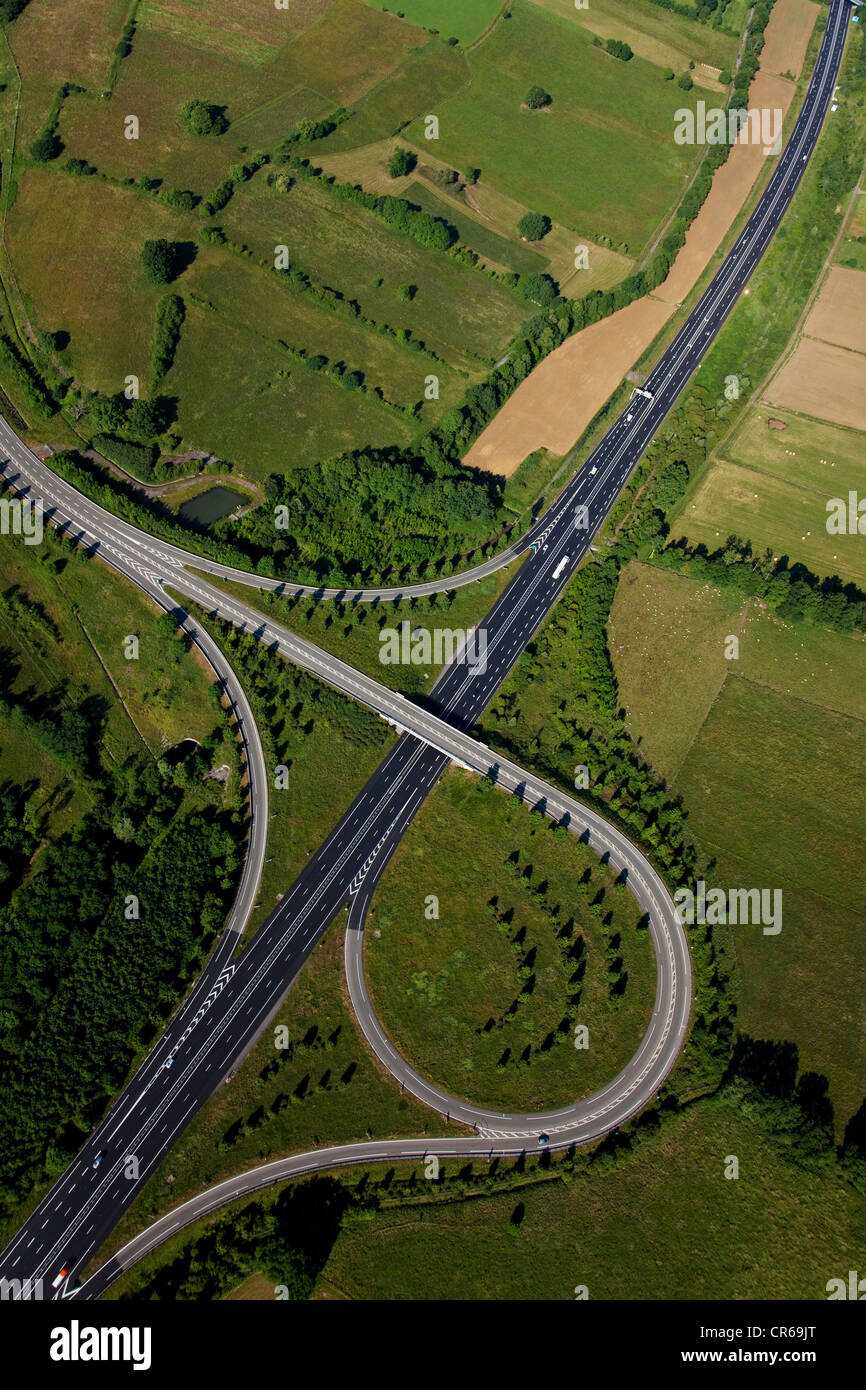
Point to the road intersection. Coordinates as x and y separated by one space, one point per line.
234 999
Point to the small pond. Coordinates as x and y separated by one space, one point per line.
212 505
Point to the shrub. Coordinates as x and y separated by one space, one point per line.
401 162
685 82
539 288
617 49
159 259
537 97
137 459
45 147
80 167
170 315
533 226
201 118
181 198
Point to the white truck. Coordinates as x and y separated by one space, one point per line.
560 567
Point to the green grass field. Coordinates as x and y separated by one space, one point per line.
664 1223
656 612
767 753
248 402
660 36
474 234
249 295
789 518
454 310
446 990
78 652
600 160
93 612
823 458
464 19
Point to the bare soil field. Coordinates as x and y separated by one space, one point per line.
824 381
552 408
731 187
787 38
557 401
840 314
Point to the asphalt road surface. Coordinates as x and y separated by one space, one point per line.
214 1029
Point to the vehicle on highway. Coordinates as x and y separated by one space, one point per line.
64 1274
169 1061
560 567
544 1138
98 1159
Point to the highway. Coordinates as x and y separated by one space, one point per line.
203 1044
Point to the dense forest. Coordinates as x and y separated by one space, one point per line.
85 977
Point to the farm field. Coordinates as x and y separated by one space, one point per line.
245 400
455 311
758 775
806 454
546 411
659 35
826 382
559 160
663 1223
653 612
784 723
268 72
376 73
600 356
480 999
768 511
732 185
92 287
485 218
839 315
